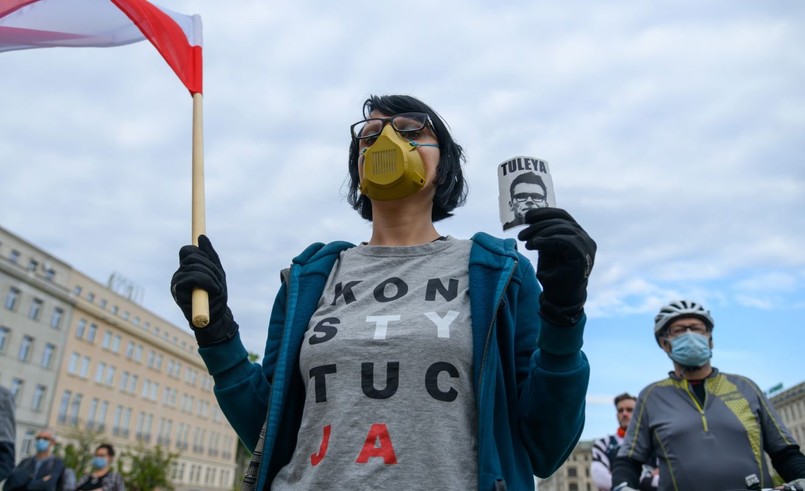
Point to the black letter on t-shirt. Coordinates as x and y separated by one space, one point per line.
435 284
345 290
432 382
328 330
392 380
318 374
380 290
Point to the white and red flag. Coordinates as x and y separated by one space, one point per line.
26 24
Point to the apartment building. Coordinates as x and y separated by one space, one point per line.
574 474
78 354
790 404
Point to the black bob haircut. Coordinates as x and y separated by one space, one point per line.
451 187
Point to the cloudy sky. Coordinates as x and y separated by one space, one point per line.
675 134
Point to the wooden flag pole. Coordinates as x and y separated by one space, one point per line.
201 300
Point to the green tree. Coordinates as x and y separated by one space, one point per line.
77 453
148 468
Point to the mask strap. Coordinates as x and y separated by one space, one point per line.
415 144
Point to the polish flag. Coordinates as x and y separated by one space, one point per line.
26 24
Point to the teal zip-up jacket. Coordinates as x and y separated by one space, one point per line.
530 376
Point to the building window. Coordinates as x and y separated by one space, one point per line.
5 335
116 343
39 398
130 349
63 405
75 409
126 422
124 381
133 384
80 328
84 367
138 352
47 355
72 365
93 330
107 339
77 290
12 299
114 309
56 319
28 442
99 372
36 309
116 420
110 375
26 348
16 389
102 303
15 256
33 264
571 472
90 297
93 408
102 415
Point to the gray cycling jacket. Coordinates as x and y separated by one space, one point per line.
712 447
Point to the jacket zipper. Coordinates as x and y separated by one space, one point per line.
489 336
696 402
263 461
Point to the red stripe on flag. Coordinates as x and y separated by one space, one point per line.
168 38
8 6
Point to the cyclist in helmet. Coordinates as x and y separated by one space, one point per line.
708 429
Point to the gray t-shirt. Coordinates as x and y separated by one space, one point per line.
387 366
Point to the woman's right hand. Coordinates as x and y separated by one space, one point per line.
200 267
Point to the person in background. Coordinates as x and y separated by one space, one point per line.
414 360
41 472
708 429
8 433
101 476
606 449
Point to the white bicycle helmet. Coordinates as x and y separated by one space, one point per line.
680 308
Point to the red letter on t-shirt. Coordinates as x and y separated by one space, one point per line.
370 449
316 458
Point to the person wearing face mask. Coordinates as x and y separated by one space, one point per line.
41 472
414 360
8 432
101 476
708 429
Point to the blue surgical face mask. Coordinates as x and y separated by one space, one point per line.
99 462
690 349
42 444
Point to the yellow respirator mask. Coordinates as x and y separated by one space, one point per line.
392 167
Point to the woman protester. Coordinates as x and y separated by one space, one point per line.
413 360
101 477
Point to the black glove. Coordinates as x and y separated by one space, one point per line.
200 267
566 255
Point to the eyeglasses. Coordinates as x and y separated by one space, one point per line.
407 124
675 331
523 197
